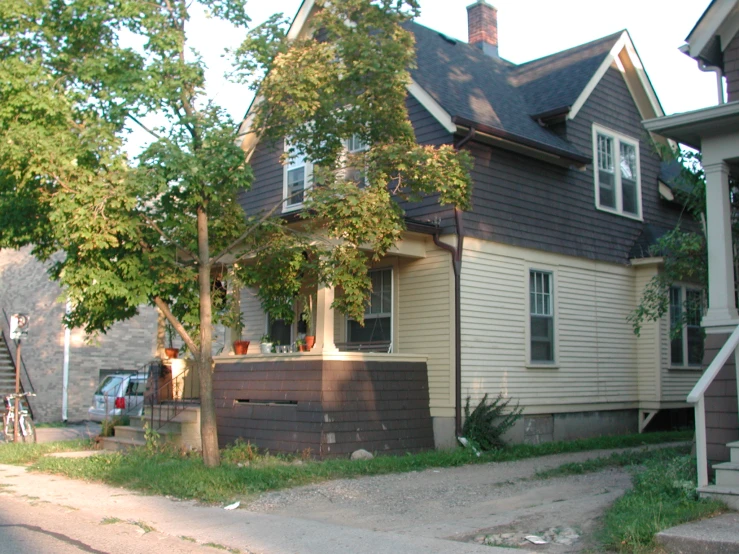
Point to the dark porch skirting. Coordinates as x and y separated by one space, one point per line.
332 407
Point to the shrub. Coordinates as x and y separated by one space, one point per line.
487 423
239 452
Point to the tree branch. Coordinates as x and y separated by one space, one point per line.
144 127
177 245
162 305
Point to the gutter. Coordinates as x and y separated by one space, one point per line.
578 159
456 253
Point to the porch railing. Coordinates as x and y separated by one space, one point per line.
166 398
697 397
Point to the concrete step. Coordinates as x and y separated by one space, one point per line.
734 449
130 433
171 427
187 414
116 444
717 535
727 474
727 495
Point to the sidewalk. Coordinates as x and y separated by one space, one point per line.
236 529
80 430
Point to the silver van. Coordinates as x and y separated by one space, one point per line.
118 394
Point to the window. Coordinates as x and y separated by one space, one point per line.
686 333
297 179
355 145
541 312
617 182
378 312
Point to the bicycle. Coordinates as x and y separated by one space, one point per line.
26 428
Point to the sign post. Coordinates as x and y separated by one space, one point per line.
18 329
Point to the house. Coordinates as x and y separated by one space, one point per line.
526 294
714 44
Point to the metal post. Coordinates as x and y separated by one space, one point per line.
17 389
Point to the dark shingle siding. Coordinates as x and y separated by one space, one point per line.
528 203
266 188
731 68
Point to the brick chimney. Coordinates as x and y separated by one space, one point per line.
482 27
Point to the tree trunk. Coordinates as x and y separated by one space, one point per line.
208 431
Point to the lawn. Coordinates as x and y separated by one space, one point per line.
246 472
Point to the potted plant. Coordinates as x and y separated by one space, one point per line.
302 347
265 345
170 351
307 317
241 347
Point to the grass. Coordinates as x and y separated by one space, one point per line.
663 496
617 459
185 476
51 425
20 454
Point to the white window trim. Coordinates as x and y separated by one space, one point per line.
393 306
555 310
685 366
308 175
618 138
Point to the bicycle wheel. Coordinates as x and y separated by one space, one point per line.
7 427
27 430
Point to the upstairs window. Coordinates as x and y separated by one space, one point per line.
355 145
297 180
686 310
617 180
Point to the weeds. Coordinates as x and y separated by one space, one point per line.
145 527
488 422
221 547
110 521
107 427
664 495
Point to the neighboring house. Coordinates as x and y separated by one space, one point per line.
554 256
714 44
49 350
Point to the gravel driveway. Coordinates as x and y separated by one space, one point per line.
497 502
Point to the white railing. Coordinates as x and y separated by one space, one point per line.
697 397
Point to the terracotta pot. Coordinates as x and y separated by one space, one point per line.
310 341
171 352
241 347
303 347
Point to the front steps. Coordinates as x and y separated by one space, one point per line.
183 431
726 488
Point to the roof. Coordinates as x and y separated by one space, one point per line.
464 88
644 243
713 32
475 87
555 82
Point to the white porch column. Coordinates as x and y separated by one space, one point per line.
721 301
324 320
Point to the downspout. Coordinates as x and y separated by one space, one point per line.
456 253
65 368
706 68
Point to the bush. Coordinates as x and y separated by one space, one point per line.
239 452
487 423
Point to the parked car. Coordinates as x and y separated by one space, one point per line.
118 394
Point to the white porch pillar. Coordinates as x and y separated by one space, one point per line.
721 300
324 320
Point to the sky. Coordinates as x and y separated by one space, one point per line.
527 29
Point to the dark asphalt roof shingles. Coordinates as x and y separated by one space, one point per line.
493 92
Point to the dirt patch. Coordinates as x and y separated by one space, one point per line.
496 504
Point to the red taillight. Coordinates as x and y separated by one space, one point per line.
120 403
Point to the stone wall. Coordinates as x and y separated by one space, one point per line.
26 287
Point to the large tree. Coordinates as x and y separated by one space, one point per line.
158 228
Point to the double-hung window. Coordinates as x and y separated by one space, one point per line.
686 333
541 315
617 180
354 146
297 180
378 312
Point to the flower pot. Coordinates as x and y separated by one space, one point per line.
265 348
241 347
303 347
171 353
310 341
